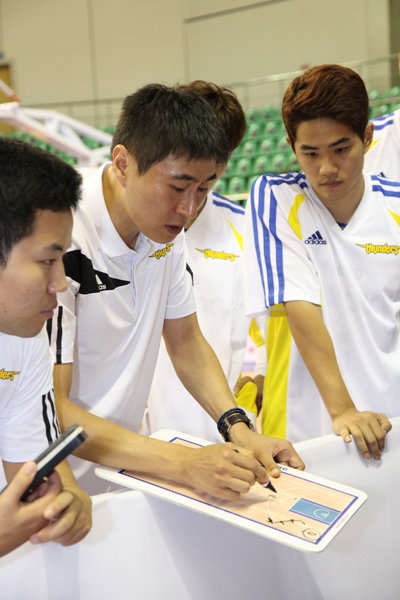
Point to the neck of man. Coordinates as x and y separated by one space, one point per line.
122 222
342 209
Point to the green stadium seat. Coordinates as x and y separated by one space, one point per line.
261 165
243 167
230 167
271 127
374 95
252 115
393 92
279 162
282 145
221 186
380 110
268 144
253 131
249 148
269 112
237 185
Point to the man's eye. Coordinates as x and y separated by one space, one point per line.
177 189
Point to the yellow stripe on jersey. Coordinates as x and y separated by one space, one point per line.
256 334
293 218
274 411
395 217
238 236
247 396
372 145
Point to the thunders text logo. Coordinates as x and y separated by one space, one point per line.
380 248
8 374
162 252
216 254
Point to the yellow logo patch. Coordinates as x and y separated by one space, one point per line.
162 252
380 248
218 254
8 374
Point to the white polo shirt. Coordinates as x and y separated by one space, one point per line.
110 320
294 250
214 252
28 420
383 157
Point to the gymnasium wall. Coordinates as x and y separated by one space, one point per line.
74 50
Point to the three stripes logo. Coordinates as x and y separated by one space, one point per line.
315 238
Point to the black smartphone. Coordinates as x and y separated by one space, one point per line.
55 453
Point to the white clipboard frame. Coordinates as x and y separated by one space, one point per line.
295 531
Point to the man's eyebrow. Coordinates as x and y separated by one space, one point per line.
341 140
55 247
187 177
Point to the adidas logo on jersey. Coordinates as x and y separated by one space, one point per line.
100 284
315 238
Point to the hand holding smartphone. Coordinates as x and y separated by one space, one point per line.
54 454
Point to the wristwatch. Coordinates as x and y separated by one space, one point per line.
231 417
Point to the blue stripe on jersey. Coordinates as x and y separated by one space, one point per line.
391 189
229 204
254 217
278 251
382 122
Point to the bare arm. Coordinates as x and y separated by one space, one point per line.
315 346
215 469
200 372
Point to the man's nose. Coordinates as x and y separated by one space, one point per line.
187 207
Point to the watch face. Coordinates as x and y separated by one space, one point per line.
226 422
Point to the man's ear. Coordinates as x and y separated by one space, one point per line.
121 159
289 142
368 136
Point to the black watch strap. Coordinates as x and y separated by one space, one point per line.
230 418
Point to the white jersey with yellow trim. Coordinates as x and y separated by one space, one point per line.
294 250
28 419
383 157
109 322
214 252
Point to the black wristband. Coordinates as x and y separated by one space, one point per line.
231 417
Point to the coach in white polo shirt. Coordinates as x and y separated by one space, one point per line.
128 285
323 259
214 252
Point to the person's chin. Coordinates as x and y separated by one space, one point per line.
168 234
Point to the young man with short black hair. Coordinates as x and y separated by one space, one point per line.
322 259
37 195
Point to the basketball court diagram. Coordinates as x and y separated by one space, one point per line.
306 511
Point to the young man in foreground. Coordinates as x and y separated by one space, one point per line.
322 259
128 285
37 194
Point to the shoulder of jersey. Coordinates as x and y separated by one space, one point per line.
229 205
383 122
279 179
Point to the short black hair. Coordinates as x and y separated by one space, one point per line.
31 180
226 106
158 121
